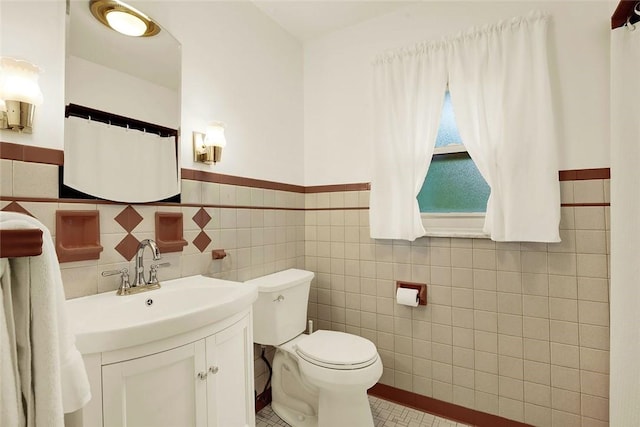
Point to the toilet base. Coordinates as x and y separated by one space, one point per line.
344 409
294 401
301 404
293 417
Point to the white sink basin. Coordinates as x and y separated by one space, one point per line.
106 322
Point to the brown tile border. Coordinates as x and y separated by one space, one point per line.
159 204
584 174
198 175
361 186
582 205
29 153
440 408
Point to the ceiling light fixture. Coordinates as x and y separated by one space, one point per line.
123 18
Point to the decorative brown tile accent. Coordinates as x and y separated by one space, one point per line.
584 174
128 247
16 207
218 178
201 241
129 218
201 218
442 409
19 243
28 153
78 235
169 232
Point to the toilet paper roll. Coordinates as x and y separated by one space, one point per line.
407 296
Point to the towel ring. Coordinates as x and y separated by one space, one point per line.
629 25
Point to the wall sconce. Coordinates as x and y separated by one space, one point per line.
123 18
19 94
207 147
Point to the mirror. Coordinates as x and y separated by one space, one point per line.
136 82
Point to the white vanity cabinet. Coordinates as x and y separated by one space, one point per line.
201 378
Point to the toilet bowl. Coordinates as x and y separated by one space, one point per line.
319 379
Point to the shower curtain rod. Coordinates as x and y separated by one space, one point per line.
628 11
76 110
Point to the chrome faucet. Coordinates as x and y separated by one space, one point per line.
139 275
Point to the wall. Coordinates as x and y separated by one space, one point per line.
86 82
238 67
518 330
338 80
34 31
261 229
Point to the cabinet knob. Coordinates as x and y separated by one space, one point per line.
213 369
202 375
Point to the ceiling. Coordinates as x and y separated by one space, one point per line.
306 20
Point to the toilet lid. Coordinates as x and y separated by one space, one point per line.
337 350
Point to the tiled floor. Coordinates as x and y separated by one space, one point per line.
385 414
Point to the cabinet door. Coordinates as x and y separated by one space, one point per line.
230 382
162 389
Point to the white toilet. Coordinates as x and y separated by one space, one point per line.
319 379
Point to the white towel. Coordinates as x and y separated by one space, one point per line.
59 379
11 410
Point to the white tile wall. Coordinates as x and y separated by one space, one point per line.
514 329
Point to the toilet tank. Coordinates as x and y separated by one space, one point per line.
280 312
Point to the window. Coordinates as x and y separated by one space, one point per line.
453 198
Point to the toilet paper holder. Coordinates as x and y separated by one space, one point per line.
421 287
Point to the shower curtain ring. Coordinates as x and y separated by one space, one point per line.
630 26
636 8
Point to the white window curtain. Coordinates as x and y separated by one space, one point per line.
500 90
625 226
409 88
499 83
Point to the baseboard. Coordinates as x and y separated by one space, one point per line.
426 404
442 409
263 399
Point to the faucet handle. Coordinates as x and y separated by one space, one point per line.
124 279
153 273
114 272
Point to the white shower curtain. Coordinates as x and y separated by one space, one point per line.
408 97
500 90
119 164
499 82
625 227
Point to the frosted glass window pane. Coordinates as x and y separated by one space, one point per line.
453 184
448 130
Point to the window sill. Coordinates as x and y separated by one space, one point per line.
467 225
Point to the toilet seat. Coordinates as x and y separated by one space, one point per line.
337 350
